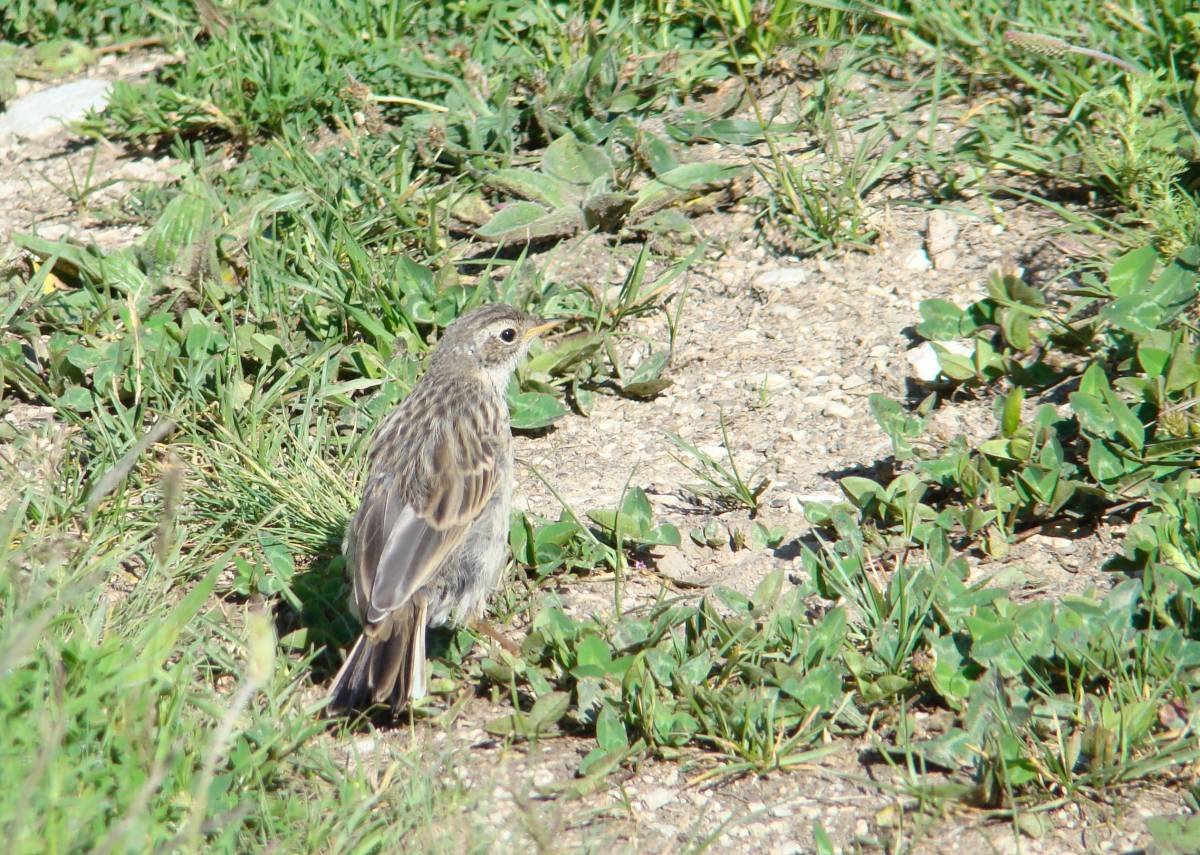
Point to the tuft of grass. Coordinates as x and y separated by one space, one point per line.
139 709
722 482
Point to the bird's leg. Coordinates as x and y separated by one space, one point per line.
484 628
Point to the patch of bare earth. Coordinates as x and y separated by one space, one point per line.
818 335
63 185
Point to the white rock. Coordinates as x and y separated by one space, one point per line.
658 798
674 564
44 113
917 260
946 260
772 381
787 312
146 169
924 361
667 830
58 231
837 409
941 233
783 277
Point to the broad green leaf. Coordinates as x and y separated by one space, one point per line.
1103 463
580 164
821 688
1010 419
951 672
941 320
610 730
84 358
766 593
592 656
594 770
549 708
860 490
514 216
1093 414
1153 359
1015 325
993 643
1094 381
681 182
1184 370
646 381
535 186
728 131
1126 422
526 221
564 355
636 508
762 537
1131 272
732 599
534 410
1138 313
694 671
997 448
76 398
1174 835
953 365
657 153
663 534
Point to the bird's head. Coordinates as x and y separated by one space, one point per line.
490 339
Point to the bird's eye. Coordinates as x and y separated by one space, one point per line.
508 334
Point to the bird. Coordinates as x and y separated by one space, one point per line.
427 544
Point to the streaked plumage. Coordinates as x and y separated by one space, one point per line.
428 542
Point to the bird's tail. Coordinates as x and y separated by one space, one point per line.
386 664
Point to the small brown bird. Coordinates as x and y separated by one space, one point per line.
428 541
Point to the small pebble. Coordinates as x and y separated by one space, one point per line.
917 260
838 410
783 277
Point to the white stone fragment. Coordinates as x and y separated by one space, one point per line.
924 361
783 277
44 113
917 260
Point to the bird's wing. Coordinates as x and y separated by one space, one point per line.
415 512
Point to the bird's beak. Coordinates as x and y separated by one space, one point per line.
534 332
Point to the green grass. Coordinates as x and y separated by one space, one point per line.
141 710
171 599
